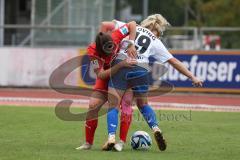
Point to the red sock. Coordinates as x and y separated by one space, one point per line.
90 128
126 120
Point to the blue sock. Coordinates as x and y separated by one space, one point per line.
112 120
149 115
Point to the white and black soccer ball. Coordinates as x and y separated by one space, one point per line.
141 140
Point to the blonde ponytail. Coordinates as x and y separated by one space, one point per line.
155 22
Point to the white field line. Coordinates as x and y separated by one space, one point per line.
157 105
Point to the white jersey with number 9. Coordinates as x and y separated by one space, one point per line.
147 44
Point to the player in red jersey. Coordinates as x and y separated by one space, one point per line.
101 53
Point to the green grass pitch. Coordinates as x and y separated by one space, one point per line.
36 133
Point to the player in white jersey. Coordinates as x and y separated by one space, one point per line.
148 44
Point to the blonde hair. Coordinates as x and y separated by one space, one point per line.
155 22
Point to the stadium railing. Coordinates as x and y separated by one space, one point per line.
48 36
180 38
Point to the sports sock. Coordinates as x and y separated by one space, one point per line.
112 120
126 120
126 115
90 128
149 115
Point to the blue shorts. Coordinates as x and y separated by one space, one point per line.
135 77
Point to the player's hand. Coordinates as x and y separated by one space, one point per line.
132 52
129 62
197 82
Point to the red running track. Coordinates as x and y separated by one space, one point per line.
171 99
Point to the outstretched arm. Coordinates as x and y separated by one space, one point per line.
182 69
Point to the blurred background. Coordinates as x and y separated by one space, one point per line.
36 36
196 24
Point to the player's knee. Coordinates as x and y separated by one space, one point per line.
95 104
114 104
93 110
141 103
114 101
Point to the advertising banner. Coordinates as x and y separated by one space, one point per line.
220 71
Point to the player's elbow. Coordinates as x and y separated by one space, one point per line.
173 61
132 24
102 27
106 26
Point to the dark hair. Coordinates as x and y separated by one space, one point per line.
104 43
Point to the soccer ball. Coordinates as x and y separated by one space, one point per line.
141 140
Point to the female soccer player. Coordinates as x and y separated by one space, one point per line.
148 44
101 58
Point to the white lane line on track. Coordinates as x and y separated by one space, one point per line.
41 100
155 104
195 106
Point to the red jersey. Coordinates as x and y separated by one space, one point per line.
100 61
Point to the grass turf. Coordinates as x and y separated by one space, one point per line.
36 133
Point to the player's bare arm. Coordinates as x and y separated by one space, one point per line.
104 74
182 69
132 35
107 26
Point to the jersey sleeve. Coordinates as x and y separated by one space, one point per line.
95 64
120 33
118 24
160 53
95 61
91 50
